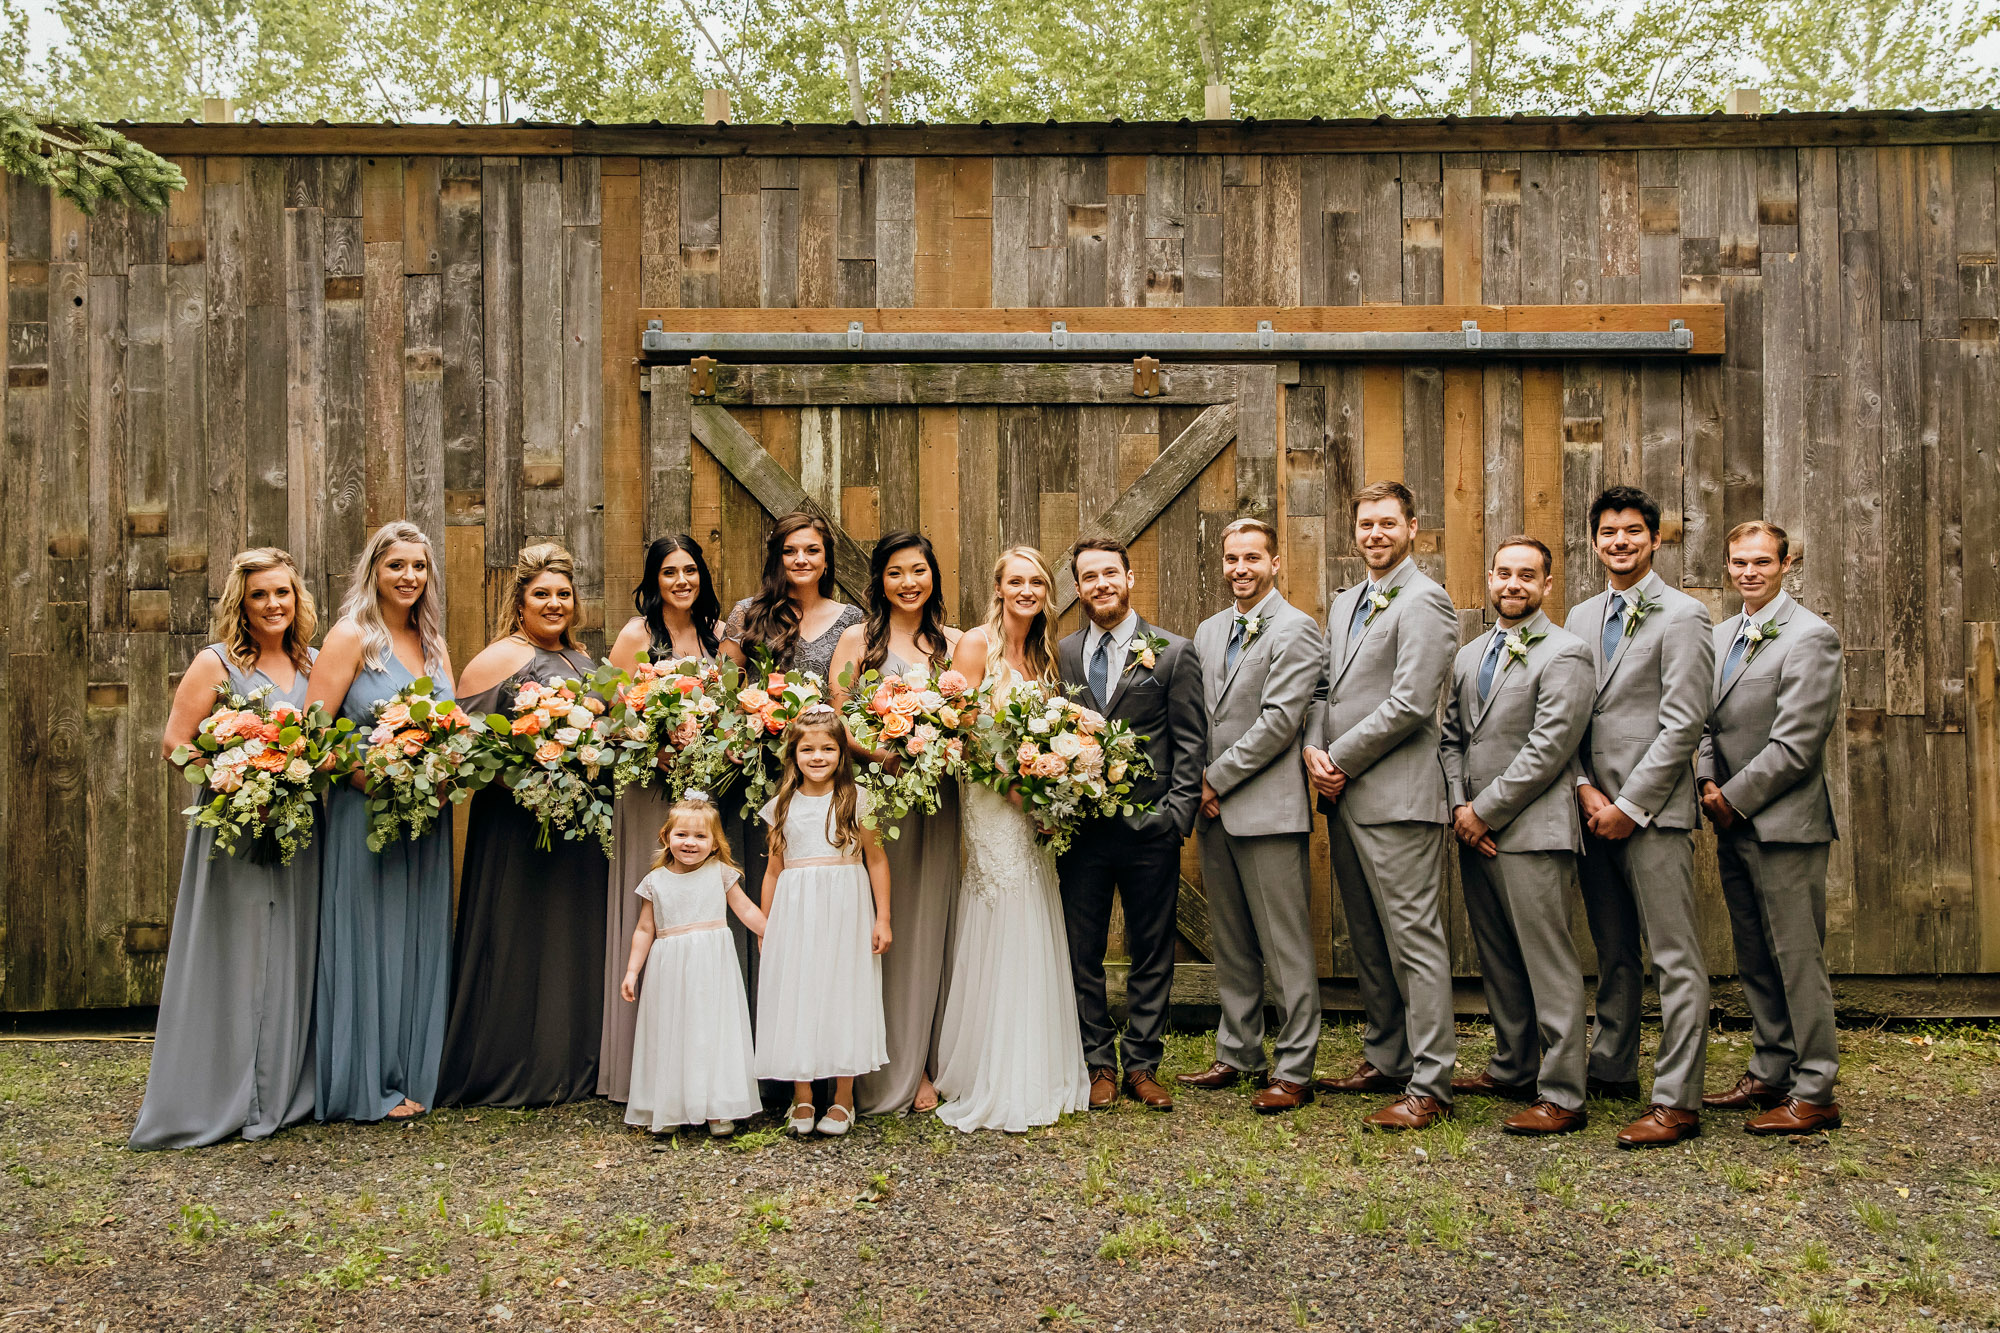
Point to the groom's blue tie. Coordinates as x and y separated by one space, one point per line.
1100 666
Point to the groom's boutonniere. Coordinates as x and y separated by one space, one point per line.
1757 635
1517 645
1145 650
1636 613
1251 626
1378 602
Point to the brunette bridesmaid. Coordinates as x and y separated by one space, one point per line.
527 968
385 917
233 1053
679 617
794 617
905 632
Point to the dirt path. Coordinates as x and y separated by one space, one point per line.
1210 1218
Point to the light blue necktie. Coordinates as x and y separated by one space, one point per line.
1487 667
1734 661
1100 662
1361 610
1235 649
1614 626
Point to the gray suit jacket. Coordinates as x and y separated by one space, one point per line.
1163 704
1378 718
1256 719
1513 758
1652 702
1766 738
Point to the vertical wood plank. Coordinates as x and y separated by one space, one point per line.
1464 476
621 519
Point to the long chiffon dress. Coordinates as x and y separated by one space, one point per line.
233 1050
527 973
384 942
923 913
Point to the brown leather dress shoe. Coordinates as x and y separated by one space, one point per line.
1793 1116
1612 1089
1747 1093
1660 1127
1485 1085
1365 1079
1410 1111
1545 1118
1103 1087
1281 1095
1217 1075
1146 1090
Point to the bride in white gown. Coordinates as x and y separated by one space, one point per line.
1010 1055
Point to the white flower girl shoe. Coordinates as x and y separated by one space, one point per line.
801 1119
832 1128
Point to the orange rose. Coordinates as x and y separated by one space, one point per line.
395 715
528 724
752 700
774 724
907 703
882 700
548 753
413 740
776 682
687 684
896 726
635 695
270 761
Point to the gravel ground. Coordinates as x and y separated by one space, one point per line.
1208 1218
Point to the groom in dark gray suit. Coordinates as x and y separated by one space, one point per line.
1151 680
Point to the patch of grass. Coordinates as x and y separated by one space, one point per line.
1558 1183
1374 1217
1826 1319
756 1140
1814 1257
495 1223
198 1225
1139 1241
1874 1216
767 1219
356 1269
1068 1315
1741 1178
1644 1264
1446 1224
635 1242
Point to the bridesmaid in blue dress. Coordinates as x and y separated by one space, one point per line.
679 616
233 1051
385 917
527 972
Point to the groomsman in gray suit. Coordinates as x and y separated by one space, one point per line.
1655 668
1763 785
1520 699
1372 755
1260 666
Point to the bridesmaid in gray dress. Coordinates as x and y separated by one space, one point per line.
527 968
679 616
385 917
905 631
233 1051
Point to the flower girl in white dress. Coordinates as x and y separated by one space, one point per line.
691 1052
826 895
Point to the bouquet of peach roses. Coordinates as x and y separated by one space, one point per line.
556 754
920 725
421 753
749 736
263 770
666 724
1067 762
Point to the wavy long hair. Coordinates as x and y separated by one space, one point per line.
773 618
533 562
652 606
228 626
363 602
1039 651
930 626
843 819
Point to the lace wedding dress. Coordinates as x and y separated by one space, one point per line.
1010 1056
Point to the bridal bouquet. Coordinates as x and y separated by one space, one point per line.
667 725
1067 762
265 767
422 752
555 754
751 731
920 724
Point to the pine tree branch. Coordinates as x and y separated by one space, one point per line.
86 162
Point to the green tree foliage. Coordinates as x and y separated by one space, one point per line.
1000 60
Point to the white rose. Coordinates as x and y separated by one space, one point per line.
590 754
1068 745
567 735
580 717
1038 725
253 747
298 771
234 757
527 698
930 701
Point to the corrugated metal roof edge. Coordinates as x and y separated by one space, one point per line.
1427 134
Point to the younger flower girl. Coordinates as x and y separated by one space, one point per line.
826 894
691 1052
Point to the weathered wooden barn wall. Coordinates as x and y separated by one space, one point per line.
339 325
